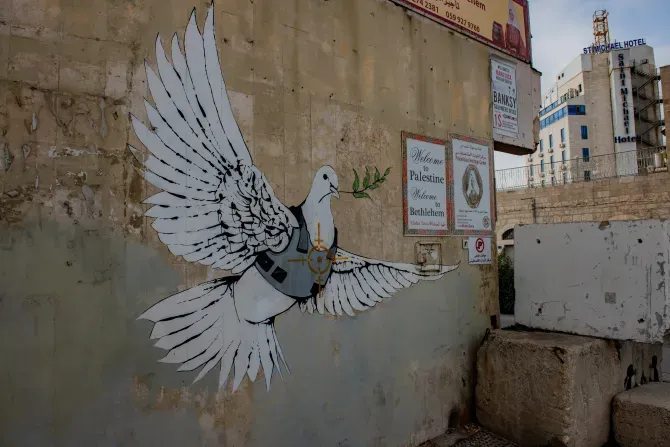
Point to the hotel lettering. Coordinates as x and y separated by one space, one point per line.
624 95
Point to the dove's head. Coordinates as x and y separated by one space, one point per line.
325 184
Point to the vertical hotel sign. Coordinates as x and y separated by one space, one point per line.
502 24
447 186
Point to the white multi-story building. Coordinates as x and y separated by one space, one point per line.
602 114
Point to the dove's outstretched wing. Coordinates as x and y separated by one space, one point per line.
357 283
216 207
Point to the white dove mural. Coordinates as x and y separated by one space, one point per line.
216 208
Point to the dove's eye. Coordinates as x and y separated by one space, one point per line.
325 177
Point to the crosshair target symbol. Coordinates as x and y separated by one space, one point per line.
317 260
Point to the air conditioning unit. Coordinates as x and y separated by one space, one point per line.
551 172
563 168
562 145
532 179
551 151
530 158
541 154
541 174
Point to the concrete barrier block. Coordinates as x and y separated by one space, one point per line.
642 416
536 388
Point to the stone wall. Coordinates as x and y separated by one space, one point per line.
639 197
311 83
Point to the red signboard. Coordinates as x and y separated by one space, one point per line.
502 24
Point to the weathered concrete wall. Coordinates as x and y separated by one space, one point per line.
602 280
311 83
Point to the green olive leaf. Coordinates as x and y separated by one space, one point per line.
356 181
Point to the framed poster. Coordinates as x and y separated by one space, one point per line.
426 183
473 198
504 94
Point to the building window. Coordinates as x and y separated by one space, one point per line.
563 156
576 110
565 178
554 117
541 146
551 141
580 88
532 170
542 166
563 135
585 133
587 176
551 159
585 154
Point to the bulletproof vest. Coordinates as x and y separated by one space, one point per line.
300 270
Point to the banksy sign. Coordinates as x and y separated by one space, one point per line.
505 105
425 186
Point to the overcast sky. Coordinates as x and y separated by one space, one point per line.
562 28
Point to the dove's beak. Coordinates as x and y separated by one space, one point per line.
334 191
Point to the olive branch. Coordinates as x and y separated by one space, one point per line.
368 184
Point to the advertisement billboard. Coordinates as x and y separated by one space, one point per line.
505 101
502 24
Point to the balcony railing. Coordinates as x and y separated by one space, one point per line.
621 164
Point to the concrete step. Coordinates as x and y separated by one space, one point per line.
641 416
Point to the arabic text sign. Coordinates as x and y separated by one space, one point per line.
479 250
500 23
472 182
425 189
505 106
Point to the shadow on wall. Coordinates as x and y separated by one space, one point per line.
506 283
631 380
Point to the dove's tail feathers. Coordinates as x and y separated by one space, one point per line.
199 327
